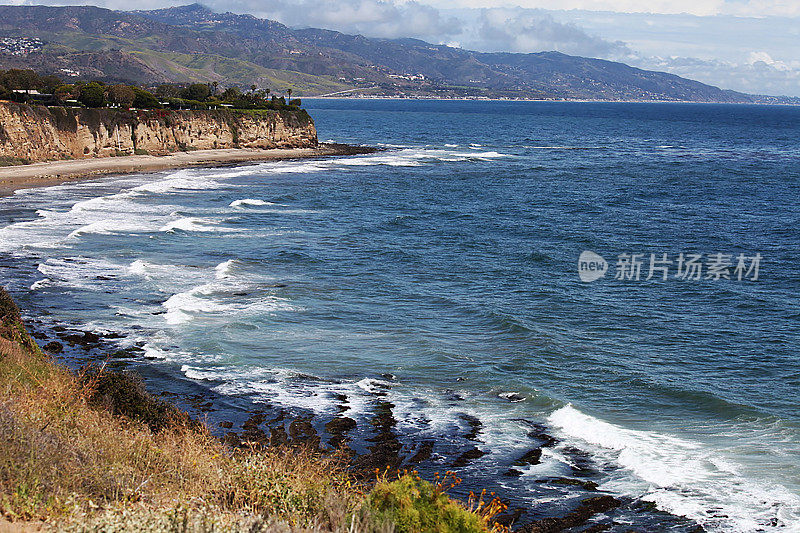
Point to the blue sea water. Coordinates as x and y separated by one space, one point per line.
442 274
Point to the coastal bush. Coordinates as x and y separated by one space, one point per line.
7 161
412 505
124 394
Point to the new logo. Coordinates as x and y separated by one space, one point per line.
591 266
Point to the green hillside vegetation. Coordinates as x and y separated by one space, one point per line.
175 67
93 451
210 68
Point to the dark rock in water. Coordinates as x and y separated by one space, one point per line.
585 483
86 340
508 519
468 456
585 510
582 463
343 402
225 424
512 472
280 418
53 347
424 452
340 424
278 436
475 426
540 433
251 430
337 427
513 397
385 450
90 338
531 457
597 528
302 432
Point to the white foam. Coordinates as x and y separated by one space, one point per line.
224 269
683 477
182 306
192 224
139 267
78 272
372 386
249 201
107 227
40 284
217 297
179 181
152 352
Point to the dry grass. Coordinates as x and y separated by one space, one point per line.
94 452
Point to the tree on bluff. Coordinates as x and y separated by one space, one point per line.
122 95
196 91
92 95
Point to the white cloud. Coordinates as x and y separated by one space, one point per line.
752 76
520 30
763 57
373 18
754 8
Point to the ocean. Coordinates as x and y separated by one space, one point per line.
442 275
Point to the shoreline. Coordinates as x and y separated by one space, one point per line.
545 100
49 173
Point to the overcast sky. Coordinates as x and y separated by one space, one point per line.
747 45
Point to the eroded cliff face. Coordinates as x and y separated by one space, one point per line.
38 133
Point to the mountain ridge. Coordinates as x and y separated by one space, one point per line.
192 43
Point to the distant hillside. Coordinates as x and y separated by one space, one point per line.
193 43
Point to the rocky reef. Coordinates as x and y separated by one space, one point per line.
38 133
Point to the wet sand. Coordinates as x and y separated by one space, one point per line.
57 172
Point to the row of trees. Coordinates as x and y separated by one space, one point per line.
98 94
25 80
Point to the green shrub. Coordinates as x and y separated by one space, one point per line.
124 394
141 151
414 505
8 160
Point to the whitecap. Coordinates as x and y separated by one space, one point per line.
40 284
182 307
190 224
223 270
249 201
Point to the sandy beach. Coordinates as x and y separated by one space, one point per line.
56 172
